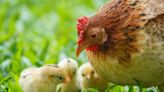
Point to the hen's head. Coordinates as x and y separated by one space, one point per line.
90 36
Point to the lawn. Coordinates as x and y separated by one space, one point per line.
38 32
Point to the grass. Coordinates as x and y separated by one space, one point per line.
38 32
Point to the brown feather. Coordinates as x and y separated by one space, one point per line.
124 24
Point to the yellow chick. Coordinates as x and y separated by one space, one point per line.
71 67
90 79
43 79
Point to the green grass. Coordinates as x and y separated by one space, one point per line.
38 32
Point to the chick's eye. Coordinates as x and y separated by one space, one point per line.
93 72
74 72
61 78
83 75
93 36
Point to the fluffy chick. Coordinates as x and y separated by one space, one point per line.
90 79
71 68
43 79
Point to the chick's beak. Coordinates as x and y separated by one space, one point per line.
68 79
88 76
81 47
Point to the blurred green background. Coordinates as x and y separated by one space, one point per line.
37 32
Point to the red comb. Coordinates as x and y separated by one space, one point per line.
82 22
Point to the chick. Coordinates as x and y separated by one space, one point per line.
43 79
71 68
90 79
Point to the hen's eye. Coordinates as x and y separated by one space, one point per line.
93 36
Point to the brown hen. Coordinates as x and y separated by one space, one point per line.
124 42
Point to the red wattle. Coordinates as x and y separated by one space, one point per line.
92 48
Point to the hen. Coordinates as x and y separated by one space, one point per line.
124 42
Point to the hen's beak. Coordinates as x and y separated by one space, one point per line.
81 47
79 50
68 79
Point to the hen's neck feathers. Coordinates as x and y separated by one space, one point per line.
125 16
124 22
118 18
117 15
